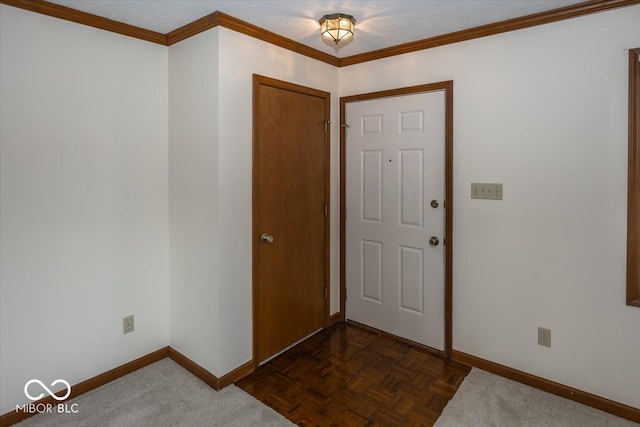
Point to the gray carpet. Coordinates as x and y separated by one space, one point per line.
165 394
159 395
485 400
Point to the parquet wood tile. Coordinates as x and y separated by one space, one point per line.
348 376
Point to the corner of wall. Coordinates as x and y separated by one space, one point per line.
193 199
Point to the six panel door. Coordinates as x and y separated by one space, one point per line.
395 165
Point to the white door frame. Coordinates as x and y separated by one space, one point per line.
447 87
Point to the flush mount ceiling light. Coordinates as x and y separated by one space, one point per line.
337 27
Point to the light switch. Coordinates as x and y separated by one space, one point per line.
486 191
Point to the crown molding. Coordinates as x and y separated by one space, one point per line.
84 18
191 29
541 18
220 19
226 21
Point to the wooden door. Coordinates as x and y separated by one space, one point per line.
290 214
395 190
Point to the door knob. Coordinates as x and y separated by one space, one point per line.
266 238
435 204
434 241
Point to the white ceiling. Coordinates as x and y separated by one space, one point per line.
379 23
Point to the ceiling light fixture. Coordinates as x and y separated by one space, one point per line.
337 27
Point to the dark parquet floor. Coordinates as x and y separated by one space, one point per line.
349 376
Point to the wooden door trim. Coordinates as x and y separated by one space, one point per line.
447 86
633 189
258 81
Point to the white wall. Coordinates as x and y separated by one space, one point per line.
89 141
193 198
544 111
240 57
210 197
83 200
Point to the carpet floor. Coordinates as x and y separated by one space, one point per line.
487 400
165 394
160 395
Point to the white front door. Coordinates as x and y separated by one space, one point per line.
395 187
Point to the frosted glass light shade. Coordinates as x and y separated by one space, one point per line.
337 27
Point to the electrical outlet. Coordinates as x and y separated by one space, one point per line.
544 337
127 324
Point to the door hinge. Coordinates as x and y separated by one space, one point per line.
326 126
345 127
326 210
326 294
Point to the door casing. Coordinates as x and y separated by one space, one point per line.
447 86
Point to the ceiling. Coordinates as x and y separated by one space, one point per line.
379 23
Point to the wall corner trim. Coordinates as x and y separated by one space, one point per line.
216 19
206 376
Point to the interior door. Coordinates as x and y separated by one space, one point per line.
290 221
395 188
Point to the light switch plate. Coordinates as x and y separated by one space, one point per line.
486 191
